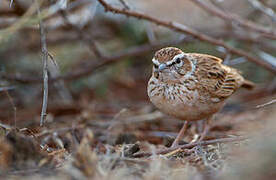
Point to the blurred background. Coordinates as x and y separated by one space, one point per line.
80 33
99 64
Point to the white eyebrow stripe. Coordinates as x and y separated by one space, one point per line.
181 55
155 62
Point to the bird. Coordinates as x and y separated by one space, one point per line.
191 86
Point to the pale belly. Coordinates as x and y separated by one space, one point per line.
183 104
186 111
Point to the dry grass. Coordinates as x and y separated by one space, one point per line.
82 152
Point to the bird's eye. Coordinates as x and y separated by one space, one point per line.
178 60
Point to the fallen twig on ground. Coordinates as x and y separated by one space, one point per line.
187 146
266 104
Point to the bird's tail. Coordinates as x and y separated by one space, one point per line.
248 84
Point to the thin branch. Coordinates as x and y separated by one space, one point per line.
6 88
54 71
13 105
5 126
188 146
248 39
184 29
11 3
264 9
269 32
87 39
273 101
150 33
268 58
45 67
124 4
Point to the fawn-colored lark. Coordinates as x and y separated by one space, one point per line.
191 86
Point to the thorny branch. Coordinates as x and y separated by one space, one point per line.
184 29
45 68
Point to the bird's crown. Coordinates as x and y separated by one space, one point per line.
166 54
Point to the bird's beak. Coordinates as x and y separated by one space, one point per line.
162 67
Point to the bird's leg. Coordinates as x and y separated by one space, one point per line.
199 126
180 134
206 128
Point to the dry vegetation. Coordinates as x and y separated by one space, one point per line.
73 76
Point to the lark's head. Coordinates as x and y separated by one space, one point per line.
170 64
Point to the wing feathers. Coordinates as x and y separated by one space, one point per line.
220 80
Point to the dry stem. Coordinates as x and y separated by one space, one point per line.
45 67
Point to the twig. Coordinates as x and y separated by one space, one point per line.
266 104
184 29
13 106
54 71
101 62
249 39
124 4
30 171
6 88
5 126
266 10
187 146
268 58
28 19
5 33
88 40
58 130
236 19
45 68
11 3
236 61
150 33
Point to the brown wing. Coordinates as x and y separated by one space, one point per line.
219 80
